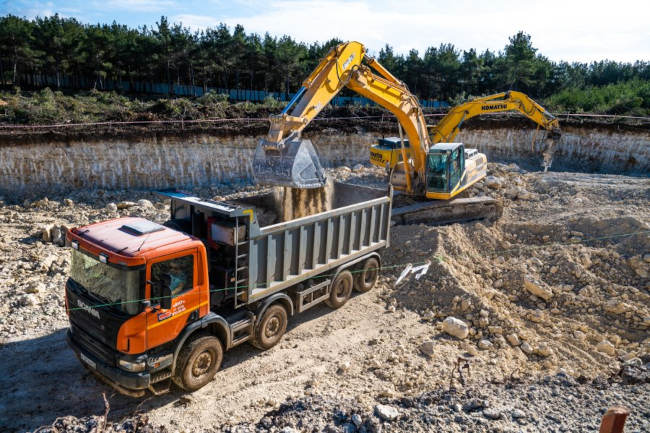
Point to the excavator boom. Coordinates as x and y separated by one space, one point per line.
282 158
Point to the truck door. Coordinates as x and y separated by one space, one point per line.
178 273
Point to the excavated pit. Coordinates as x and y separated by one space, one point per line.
558 286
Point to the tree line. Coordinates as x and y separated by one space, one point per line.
231 58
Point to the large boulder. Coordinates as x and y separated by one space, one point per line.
455 327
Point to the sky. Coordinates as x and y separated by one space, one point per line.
571 30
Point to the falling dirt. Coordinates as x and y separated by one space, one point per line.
298 203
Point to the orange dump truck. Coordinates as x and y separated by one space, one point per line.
150 304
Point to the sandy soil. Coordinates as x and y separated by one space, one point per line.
559 284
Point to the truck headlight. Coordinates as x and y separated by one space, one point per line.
131 366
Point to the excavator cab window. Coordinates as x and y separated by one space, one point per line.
437 179
455 167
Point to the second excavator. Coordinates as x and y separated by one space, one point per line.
426 171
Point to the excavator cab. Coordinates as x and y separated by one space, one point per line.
445 168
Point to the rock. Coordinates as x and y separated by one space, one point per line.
512 193
544 350
28 300
485 344
345 168
526 348
348 427
517 414
356 420
145 203
427 348
470 349
46 232
343 367
493 414
498 284
357 167
606 347
126 204
536 316
579 335
289 430
58 236
386 412
111 207
474 405
513 339
615 306
493 182
68 202
640 266
455 327
535 287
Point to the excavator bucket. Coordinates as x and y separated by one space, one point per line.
296 165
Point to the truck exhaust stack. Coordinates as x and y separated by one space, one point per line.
295 164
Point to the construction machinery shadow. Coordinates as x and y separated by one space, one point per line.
43 380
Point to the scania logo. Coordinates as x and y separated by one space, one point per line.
87 308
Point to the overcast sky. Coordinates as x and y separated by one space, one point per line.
561 30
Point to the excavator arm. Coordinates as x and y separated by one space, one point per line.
447 129
282 158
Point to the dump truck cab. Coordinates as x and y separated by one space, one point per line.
133 287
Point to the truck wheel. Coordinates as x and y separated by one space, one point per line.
271 327
198 362
341 289
367 275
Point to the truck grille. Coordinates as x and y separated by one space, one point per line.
92 345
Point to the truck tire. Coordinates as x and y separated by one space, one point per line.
340 290
366 277
271 327
198 362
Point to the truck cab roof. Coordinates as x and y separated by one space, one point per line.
129 236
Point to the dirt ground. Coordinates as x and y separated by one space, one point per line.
559 284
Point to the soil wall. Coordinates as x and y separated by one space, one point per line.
200 160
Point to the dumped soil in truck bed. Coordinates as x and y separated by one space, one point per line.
559 286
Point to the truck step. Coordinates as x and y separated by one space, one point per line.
241 339
242 268
242 256
241 324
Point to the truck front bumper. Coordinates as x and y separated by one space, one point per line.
132 384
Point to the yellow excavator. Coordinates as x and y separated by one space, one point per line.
426 171
387 152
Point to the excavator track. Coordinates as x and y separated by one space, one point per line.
440 212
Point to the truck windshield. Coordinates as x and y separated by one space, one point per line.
116 286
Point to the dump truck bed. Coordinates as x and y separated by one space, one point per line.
273 249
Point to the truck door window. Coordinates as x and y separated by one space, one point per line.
177 274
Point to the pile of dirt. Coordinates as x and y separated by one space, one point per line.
560 292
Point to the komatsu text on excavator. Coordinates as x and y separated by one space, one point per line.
428 169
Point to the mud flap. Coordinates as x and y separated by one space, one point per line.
296 165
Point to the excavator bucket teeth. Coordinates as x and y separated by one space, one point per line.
296 165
